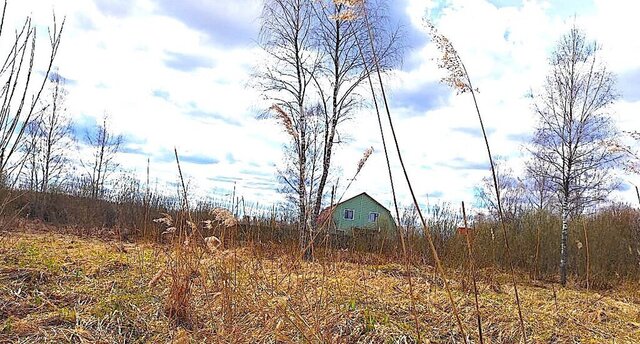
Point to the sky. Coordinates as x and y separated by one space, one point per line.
175 74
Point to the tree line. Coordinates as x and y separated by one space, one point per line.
37 137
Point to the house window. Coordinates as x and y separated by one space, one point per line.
348 214
373 217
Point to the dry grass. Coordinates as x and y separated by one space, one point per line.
62 288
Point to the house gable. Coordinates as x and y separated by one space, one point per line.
356 212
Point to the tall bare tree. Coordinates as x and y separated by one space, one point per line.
21 87
286 36
575 136
48 138
313 58
105 146
340 31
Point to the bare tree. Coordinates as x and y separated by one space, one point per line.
30 150
20 89
286 36
342 69
102 163
48 138
289 174
512 192
575 133
632 163
314 59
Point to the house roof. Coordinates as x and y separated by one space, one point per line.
366 194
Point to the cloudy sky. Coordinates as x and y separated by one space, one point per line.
174 73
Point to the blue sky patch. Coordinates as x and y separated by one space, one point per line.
210 18
186 62
161 94
115 8
460 163
520 137
473 131
212 115
83 126
629 85
428 97
199 159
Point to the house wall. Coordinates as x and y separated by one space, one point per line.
362 206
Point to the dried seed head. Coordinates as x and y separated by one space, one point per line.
615 146
224 217
230 222
350 3
212 243
284 118
450 61
345 15
166 220
348 14
363 160
169 230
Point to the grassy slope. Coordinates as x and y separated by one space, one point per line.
61 287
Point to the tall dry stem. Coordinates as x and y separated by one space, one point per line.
183 262
326 221
458 78
393 191
425 226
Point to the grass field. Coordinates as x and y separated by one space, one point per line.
61 287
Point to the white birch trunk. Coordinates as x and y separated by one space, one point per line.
564 236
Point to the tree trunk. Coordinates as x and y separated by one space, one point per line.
331 131
305 230
535 261
326 164
587 258
564 236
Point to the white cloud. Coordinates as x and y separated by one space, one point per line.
117 62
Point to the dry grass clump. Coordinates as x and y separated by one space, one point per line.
185 255
181 267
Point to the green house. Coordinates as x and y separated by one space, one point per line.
357 212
